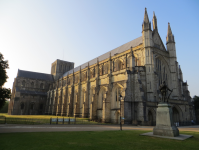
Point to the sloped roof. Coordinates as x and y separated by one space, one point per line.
34 75
117 50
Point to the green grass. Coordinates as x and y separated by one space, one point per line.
38 119
99 140
32 116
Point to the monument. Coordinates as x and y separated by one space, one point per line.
164 121
165 127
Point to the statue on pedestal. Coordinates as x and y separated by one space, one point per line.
164 121
164 91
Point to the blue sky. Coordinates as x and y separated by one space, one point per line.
33 34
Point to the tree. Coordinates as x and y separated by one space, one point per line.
4 109
196 102
4 93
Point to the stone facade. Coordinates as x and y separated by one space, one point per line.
29 93
134 70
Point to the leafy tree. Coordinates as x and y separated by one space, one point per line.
4 93
196 102
4 109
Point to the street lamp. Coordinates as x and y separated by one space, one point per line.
120 113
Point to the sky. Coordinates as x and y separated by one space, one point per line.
34 33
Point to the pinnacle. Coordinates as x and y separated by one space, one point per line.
169 32
154 15
146 18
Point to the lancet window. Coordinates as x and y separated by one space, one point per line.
92 73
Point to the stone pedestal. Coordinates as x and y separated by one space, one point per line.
164 121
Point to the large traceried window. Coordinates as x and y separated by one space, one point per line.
161 70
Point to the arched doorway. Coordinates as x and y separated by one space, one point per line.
176 117
150 116
151 119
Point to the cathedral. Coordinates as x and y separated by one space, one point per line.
122 82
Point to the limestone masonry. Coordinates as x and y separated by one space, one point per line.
134 70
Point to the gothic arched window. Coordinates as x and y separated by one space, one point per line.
41 106
41 86
22 106
114 69
32 84
32 106
23 83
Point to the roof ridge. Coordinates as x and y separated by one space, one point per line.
34 72
119 49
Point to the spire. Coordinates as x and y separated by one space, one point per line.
146 24
170 36
155 27
169 32
146 18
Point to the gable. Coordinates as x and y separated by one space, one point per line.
157 41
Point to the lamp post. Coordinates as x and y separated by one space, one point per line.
120 113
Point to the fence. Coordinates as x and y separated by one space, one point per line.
53 120
72 120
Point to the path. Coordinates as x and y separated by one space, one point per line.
9 128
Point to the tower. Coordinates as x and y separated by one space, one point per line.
59 67
148 55
170 42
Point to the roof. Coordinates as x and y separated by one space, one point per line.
34 75
117 50
31 92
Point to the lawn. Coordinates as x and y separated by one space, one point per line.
40 119
98 140
33 116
